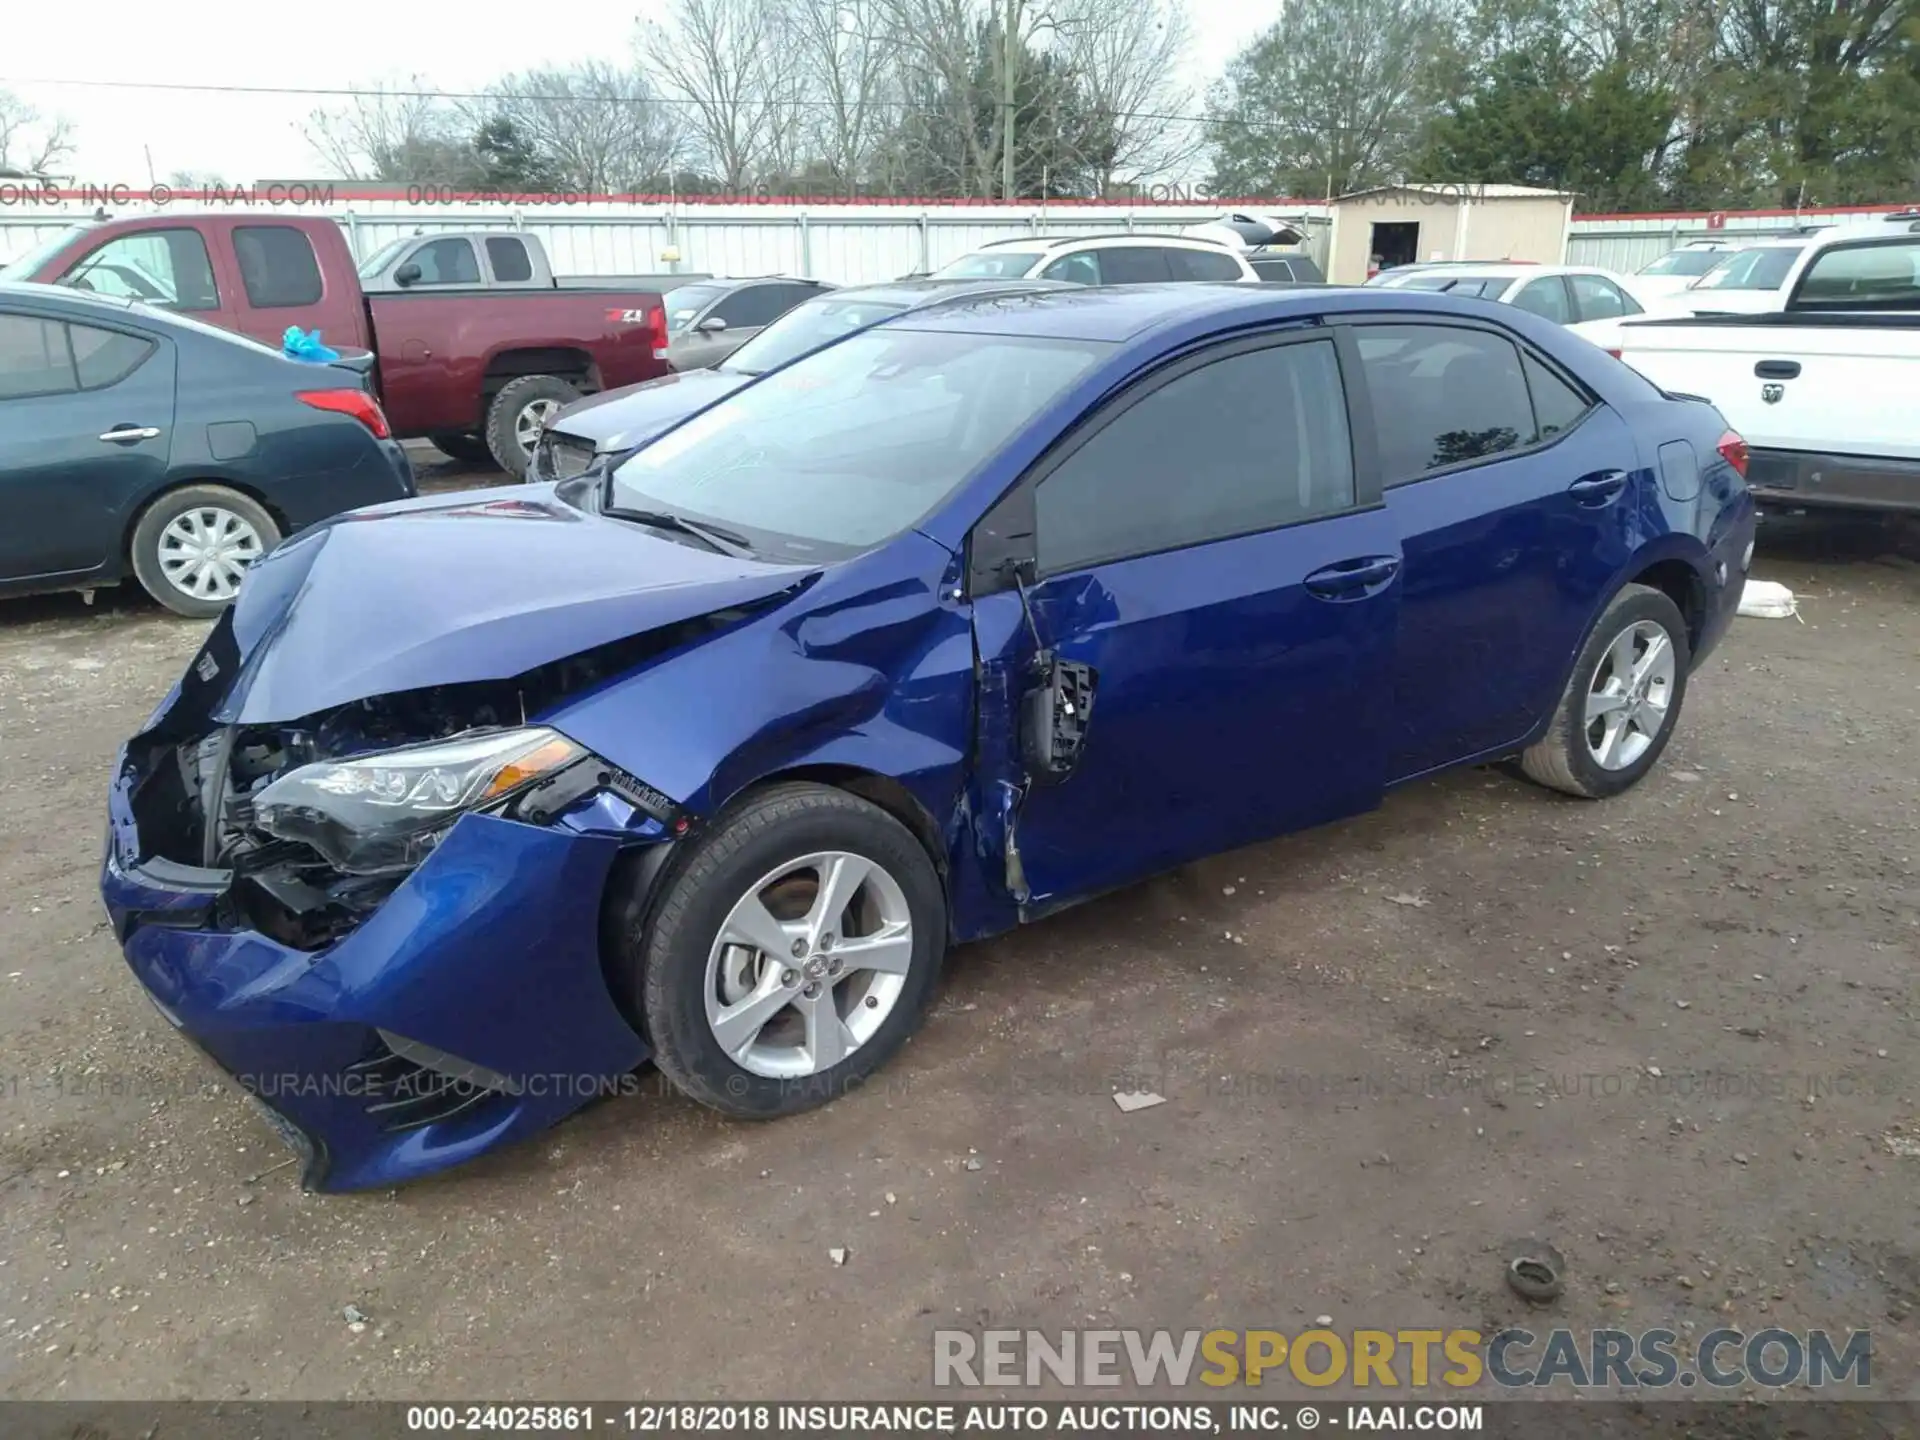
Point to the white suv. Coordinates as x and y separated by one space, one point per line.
1103 260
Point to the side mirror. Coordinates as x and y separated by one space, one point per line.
1054 717
407 274
712 325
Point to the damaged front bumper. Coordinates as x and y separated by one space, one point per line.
469 1009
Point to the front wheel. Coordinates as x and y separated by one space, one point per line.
792 953
1621 702
469 449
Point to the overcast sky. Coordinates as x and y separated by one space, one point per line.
454 46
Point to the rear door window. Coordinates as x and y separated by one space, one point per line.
34 358
1870 276
1080 269
1134 265
1443 395
1598 298
166 267
508 257
1546 298
1202 265
753 306
105 357
277 266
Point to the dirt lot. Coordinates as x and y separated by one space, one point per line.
1390 1048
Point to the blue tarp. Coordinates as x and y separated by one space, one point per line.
298 344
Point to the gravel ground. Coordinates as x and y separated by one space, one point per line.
1390 1048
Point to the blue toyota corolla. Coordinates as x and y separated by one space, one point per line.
470 805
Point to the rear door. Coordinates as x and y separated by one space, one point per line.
1211 546
86 422
1546 297
1516 496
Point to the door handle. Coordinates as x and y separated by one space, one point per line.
1598 488
121 434
1777 370
1349 579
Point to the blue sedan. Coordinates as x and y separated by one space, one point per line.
471 805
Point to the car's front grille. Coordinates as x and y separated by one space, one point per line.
562 457
422 1087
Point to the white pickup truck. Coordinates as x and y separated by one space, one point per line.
1827 390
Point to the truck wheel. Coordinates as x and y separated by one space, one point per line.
193 545
518 412
468 448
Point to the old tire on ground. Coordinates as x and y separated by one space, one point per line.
790 952
516 415
192 546
468 448
1622 700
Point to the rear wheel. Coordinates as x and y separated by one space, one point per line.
792 952
518 414
1621 702
193 545
468 448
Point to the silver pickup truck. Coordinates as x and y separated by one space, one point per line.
490 259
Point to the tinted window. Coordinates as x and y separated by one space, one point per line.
105 357
1598 298
996 264
1439 281
161 267
1751 269
1547 298
1134 265
446 262
276 266
1557 406
1081 269
34 359
755 305
509 259
854 443
1443 394
1202 265
1864 275
1246 443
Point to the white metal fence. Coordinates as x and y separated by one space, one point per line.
845 244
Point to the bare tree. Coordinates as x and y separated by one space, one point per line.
29 144
196 180
723 59
594 126
846 55
1125 59
395 133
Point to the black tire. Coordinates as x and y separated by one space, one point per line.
1562 759
660 963
504 416
469 448
149 533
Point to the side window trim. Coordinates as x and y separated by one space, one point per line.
1009 523
1521 348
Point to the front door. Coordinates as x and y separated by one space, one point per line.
1208 546
86 424
1510 536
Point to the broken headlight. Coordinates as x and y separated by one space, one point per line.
380 813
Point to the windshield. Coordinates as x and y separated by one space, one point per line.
686 301
1751 269
992 264
377 261
1685 262
851 445
23 266
807 327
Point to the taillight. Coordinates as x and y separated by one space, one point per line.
1734 451
357 403
657 324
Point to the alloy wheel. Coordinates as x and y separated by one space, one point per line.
1629 696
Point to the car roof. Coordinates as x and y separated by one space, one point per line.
61 295
1111 237
914 294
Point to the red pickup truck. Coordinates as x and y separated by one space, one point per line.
475 342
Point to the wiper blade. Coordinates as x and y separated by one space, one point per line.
722 542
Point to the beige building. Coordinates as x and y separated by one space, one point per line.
1403 224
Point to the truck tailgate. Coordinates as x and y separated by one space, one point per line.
1852 395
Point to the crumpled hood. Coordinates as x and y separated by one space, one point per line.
480 586
629 417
